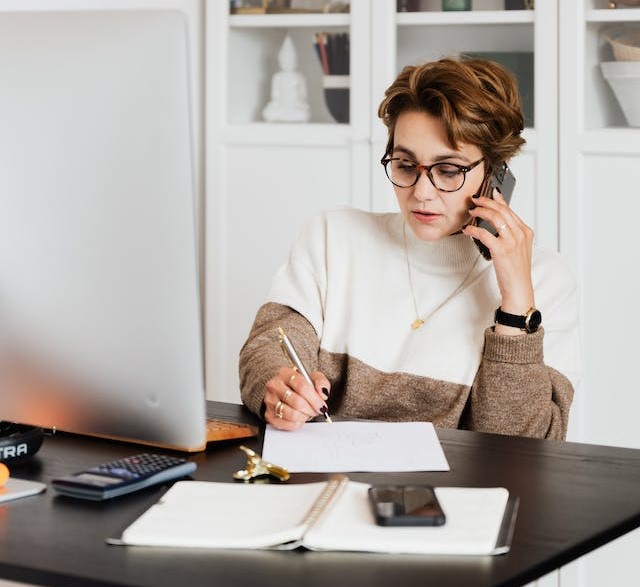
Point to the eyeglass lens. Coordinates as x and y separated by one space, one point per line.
444 176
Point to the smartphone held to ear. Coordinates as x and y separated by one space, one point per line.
504 181
405 505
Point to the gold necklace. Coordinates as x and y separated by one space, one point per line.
419 321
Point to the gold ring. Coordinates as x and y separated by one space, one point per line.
287 393
292 378
501 227
279 410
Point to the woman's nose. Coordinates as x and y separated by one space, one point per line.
424 190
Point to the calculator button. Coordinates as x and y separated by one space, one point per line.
123 473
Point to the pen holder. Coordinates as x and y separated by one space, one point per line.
336 96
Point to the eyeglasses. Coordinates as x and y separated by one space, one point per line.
446 177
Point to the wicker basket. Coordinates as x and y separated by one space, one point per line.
626 46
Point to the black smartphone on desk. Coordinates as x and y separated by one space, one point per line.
504 180
405 505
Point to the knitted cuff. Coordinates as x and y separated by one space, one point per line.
255 401
523 349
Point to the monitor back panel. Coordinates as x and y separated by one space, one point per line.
99 304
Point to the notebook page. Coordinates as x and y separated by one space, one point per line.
201 514
474 517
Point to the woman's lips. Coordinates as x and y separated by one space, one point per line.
425 217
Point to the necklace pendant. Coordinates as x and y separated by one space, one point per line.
417 323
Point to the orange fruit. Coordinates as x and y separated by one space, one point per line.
4 474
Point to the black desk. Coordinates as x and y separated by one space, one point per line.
574 498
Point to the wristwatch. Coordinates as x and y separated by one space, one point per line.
530 322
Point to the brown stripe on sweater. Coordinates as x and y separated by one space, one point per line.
513 393
360 391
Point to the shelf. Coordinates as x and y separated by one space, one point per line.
289 20
614 15
283 134
471 17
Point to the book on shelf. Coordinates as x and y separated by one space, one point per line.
330 515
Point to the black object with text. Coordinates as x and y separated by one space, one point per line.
505 182
405 505
123 476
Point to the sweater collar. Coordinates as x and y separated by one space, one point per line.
450 255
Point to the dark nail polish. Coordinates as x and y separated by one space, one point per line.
323 410
325 392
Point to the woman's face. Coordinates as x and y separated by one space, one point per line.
420 139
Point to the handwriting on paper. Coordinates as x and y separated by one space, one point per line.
356 446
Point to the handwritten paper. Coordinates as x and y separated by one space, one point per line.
356 446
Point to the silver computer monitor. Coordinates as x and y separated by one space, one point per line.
100 329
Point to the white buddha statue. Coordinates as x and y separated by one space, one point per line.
288 89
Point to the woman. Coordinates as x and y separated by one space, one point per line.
395 314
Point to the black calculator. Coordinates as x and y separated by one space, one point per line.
123 476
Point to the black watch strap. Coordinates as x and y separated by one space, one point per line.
530 322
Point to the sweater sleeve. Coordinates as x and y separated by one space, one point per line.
261 356
515 393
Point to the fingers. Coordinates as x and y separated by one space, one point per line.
290 400
285 422
512 231
306 393
495 210
511 250
321 384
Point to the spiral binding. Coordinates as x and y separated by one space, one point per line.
331 491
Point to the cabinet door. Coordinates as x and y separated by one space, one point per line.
599 178
266 179
600 172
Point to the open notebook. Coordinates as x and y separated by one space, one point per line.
332 515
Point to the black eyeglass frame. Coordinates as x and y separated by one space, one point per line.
427 168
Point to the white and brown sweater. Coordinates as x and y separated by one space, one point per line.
344 299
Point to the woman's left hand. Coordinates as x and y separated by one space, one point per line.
511 252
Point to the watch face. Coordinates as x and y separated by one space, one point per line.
535 319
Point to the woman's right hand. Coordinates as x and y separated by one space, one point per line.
290 401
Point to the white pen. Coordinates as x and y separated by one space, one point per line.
296 363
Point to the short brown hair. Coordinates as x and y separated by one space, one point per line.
476 99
